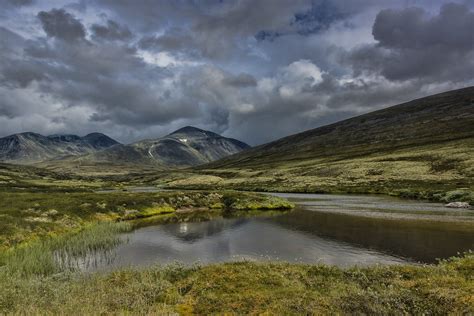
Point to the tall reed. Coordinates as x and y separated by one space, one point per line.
59 254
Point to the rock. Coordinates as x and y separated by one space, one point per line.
42 219
52 212
458 205
131 212
101 205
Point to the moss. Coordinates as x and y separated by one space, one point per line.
148 212
218 205
270 203
458 195
27 216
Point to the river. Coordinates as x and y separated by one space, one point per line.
341 230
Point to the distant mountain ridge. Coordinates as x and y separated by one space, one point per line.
185 147
28 147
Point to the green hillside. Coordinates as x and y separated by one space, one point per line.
420 148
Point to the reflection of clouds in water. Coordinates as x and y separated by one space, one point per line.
354 202
234 240
303 235
191 232
183 228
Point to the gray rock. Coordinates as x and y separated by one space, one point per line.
458 205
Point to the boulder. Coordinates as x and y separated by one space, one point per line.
458 205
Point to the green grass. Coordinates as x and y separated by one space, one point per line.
441 172
20 177
243 288
45 228
59 254
26 216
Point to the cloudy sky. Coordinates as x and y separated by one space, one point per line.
255 70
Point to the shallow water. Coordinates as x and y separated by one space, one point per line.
316 232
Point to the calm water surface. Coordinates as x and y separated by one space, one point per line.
313 233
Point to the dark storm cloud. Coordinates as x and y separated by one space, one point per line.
241 80
267 35
212 29
255 70
109 79
9 41
413 29
111 31
61 24
15 71
20 2
174 40
21 74
412 44
317 18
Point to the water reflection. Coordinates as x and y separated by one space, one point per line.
421 241
191 232
310 234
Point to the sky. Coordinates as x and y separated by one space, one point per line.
255 70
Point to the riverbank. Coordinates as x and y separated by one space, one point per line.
241 288
283 182
32 215
67 225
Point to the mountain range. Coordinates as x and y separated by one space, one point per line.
188 146
28 148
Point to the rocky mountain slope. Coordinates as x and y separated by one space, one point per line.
28 148
188 146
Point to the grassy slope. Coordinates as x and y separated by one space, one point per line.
424 147
29 178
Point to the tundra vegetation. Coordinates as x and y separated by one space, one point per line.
47 220
423 149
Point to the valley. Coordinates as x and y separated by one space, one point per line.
237 157
332 219
421 149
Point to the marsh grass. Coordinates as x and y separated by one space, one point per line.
42 275
45 233
62 253
26 216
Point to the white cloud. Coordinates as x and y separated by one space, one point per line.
165 59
